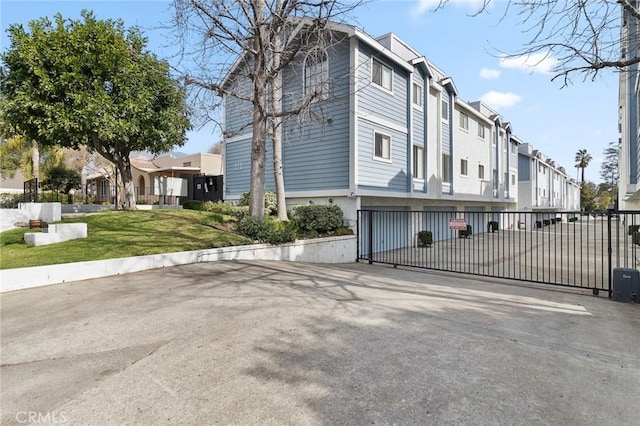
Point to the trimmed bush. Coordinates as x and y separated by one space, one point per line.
635 238
193 205
492 226
633 229
573 219
322 218
218 207
343 230
266 230
546 222
270 202
425 238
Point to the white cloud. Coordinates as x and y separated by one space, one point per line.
500 100
489 74
431 5
536 62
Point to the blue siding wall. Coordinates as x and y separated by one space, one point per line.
237 167
238 114
373 100
376 173
316 146
524 168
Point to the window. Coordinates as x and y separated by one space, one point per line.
446 168
464 171
513 148
445 110
382 75
141 185
418 162
382 146
464 121
417 95
513 180
480 171
316 74
186 164
481 130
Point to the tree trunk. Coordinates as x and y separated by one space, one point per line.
129 195
35 160
583 174
276 129
258 149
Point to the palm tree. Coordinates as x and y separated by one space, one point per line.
582 160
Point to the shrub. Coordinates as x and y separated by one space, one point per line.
343 230
573 219
217 207
425 238
546 222
239 211
192 205
318 217
633 229
492 226
635 238
270 202
266 230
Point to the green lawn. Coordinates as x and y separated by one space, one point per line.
122 234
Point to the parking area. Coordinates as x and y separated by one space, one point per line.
261 342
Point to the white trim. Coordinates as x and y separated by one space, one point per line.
379 86
239 138
376 158
320 193
382 122
353 120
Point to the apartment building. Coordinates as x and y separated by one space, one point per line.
629 96
390 132
544 186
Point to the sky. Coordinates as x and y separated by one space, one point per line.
558 121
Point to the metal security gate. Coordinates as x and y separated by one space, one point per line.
568 249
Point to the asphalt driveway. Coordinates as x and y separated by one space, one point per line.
285 343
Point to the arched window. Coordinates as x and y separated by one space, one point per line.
316 74
141 188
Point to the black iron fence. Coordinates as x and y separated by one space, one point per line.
565 248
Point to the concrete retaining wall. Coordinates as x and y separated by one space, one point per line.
50 212
321 250
56 234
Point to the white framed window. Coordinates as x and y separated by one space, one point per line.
480 171
316 74
464 121
481 131
464 167
445 110
446 168
382 75
418 162
513 149
382 146
417 95
513 180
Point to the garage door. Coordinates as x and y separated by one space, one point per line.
390 229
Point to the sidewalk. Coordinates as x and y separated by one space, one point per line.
258 342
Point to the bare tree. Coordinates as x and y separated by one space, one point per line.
580 37
241 50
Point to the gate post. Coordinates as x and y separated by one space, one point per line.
609 248
370 232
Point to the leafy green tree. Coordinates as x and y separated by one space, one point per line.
91 82
63 179
588 196
610 171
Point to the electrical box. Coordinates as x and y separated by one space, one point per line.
626 285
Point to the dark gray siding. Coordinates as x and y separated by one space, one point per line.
524 168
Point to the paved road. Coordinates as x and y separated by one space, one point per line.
282 343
